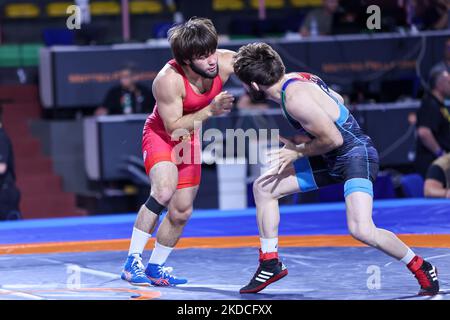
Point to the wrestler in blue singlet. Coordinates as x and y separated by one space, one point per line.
355 162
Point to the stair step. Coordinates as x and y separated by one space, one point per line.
33 166
26 139
57 213
20 115
39 184
63 199
13 107
15 130
22 105
50 206
26 171
41 190
38 189
31 149
51 212
20 93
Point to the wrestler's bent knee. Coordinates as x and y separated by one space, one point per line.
180 217
365 234
261 191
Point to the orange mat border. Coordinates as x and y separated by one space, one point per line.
413 240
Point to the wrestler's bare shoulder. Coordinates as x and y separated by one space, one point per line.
168 77
225 63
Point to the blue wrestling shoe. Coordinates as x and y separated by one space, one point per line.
160 276
133 271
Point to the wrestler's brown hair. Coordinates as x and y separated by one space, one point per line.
258 62
193 39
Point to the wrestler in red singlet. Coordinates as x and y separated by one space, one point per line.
157 145
188 91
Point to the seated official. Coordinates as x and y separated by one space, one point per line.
437 183
128 97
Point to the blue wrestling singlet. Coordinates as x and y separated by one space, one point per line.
355 162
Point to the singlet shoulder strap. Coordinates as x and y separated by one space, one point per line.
283 100
173 63
289 81
284 87
177 67
343 111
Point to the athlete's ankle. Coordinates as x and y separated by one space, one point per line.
268 256
415 264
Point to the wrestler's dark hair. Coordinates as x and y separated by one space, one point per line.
258 62
193 39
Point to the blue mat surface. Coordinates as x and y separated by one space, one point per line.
314 273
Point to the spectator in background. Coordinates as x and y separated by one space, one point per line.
393 13
349 18
128 97
9 194
352 16
433 123
431 14
361 93
320 21
444 65
437 182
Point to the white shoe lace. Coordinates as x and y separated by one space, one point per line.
165 271
138 267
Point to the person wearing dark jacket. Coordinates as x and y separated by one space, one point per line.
433 123
9 194
128 97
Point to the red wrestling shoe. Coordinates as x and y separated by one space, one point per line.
426 274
